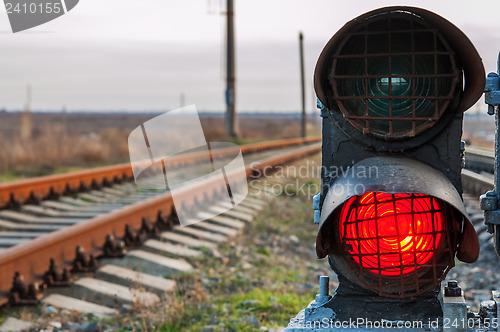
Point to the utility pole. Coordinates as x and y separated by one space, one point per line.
302 84
182 100
231 121
26 125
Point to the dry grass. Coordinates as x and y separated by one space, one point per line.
260 128
51 150
60 144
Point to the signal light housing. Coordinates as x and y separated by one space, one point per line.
397 72
392 86
394 78
393 225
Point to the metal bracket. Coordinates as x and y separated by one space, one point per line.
323 111
316 311
151 230
132 238
34 199
492 92
83 262
492 217
490 202
14 203
454 308
22 294
496 298
462 153
54 278
113 247
163 222
317 213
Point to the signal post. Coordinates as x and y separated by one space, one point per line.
392 86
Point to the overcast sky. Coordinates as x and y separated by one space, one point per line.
142 54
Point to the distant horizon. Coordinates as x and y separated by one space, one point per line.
472 112
146 112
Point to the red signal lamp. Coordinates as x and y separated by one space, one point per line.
393 225
393 234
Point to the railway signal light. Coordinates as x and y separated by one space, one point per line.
392 85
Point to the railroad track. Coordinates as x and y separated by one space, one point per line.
14 194
479 278
477 178
480 159
106 217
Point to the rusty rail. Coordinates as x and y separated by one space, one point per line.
31 259
480 159
16 193
475 183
